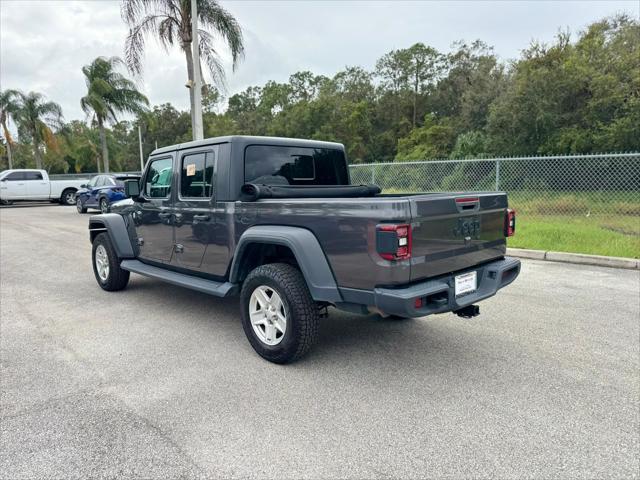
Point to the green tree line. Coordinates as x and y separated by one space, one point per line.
577 95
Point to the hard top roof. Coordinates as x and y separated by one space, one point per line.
245 140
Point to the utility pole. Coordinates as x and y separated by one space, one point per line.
140 143
198 133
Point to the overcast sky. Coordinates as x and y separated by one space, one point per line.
44 44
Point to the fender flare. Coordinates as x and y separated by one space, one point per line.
307 251
116 228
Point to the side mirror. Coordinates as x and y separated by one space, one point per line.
132 188
84 185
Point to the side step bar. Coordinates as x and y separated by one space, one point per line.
203 285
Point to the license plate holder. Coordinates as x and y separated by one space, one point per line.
466 283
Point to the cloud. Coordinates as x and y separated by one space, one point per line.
43 45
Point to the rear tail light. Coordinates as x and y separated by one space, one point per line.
119 189
393 242
510 223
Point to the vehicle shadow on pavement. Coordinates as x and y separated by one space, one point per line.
32 205
342 334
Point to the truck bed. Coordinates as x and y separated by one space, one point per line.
450 232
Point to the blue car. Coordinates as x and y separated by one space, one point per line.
101 192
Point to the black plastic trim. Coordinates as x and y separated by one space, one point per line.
117 230
218 289
305 247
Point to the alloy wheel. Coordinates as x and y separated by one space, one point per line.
268 315
102 263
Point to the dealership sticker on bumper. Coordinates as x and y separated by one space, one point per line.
466 283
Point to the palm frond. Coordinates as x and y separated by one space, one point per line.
213 15
211 58
135 42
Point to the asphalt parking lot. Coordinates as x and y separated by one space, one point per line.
158 381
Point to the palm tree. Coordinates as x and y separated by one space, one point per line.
8 106
170 22
109 92
36 117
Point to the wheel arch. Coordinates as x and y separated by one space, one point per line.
298 245
65 191
68 189
115 226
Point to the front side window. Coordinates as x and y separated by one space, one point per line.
15 176
94 181
33 176
274 165
158 180
196 176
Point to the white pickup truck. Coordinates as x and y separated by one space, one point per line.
34 185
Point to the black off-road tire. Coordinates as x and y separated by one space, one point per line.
117 278
80 207
302 312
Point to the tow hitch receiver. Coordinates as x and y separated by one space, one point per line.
469 311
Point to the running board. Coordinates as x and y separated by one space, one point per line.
203 285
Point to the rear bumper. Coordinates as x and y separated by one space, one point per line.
438 294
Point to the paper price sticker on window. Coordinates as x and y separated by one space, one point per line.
191 170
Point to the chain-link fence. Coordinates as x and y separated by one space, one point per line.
554 185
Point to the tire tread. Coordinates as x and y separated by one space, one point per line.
305 311
118 277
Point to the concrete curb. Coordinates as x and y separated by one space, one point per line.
578 258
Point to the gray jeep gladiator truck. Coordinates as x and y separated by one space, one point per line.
278 222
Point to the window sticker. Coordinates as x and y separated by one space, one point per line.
191 170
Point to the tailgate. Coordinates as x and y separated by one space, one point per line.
454 231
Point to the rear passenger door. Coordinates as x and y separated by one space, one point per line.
37 187
194 224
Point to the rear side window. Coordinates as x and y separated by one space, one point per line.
273 165
33 176
157 183
196 177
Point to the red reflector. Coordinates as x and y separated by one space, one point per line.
400 248
510 223
418 303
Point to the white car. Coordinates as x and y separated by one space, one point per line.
34 185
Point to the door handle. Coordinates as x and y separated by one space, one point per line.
201 218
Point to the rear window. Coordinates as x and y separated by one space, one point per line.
273 165
32 176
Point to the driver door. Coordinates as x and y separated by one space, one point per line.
13 186
153 215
